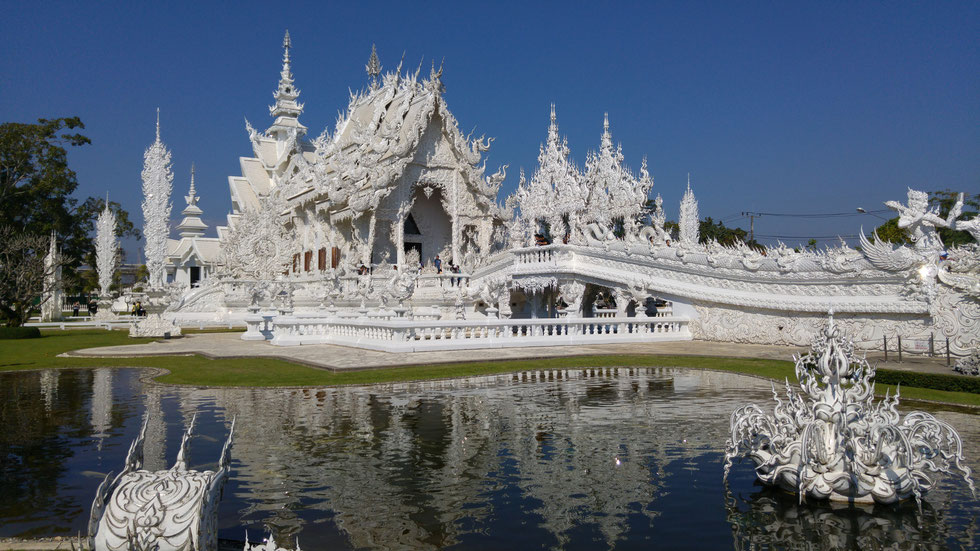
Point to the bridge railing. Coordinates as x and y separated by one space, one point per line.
396 335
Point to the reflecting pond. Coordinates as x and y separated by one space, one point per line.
570 459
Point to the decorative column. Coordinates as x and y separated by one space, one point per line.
369 247
454 215
400 241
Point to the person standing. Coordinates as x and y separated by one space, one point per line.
438 263
74 309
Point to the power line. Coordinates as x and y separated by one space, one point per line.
816 215
823 237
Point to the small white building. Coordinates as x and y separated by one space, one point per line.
192 258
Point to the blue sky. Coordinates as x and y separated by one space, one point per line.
771 107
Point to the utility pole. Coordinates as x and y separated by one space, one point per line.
752 216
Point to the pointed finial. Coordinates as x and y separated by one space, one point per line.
158 124
286 42
553 112
605 122
373 67
192 192
688 181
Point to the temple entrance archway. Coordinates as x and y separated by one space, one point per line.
433 224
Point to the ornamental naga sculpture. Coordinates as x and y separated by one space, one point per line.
175 509
832 442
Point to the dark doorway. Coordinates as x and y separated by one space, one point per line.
195 275
411 228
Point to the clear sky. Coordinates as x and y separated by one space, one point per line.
771 107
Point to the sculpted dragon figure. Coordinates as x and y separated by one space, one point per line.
831 441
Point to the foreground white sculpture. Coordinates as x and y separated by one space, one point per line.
833 442
175 509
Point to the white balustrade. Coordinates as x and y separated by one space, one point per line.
398 335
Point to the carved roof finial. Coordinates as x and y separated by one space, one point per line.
158 124
287 109
373 67
553 117
605 122
192 225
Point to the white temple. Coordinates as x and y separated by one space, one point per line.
341 238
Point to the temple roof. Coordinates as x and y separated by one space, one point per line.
376 139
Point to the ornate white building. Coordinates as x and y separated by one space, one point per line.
193 257
395 175
326 236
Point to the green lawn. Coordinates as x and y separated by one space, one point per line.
197 370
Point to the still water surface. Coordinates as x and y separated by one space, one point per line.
569 459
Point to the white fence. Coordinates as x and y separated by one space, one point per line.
421 335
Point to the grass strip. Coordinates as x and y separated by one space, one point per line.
269 372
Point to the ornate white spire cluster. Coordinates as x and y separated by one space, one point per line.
690 232
568 200
106 248
614 192
192 225
555 188
286 110
158 181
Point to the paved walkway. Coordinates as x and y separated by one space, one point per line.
342 358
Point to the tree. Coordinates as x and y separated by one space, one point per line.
24 275
945 200
890 232
36 187
724 235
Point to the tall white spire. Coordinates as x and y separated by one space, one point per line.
690 232
158 181
106 248
287 109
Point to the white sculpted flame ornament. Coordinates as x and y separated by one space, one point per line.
158 181
106 248
832 441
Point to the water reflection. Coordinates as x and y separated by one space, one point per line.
573 459
771 517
